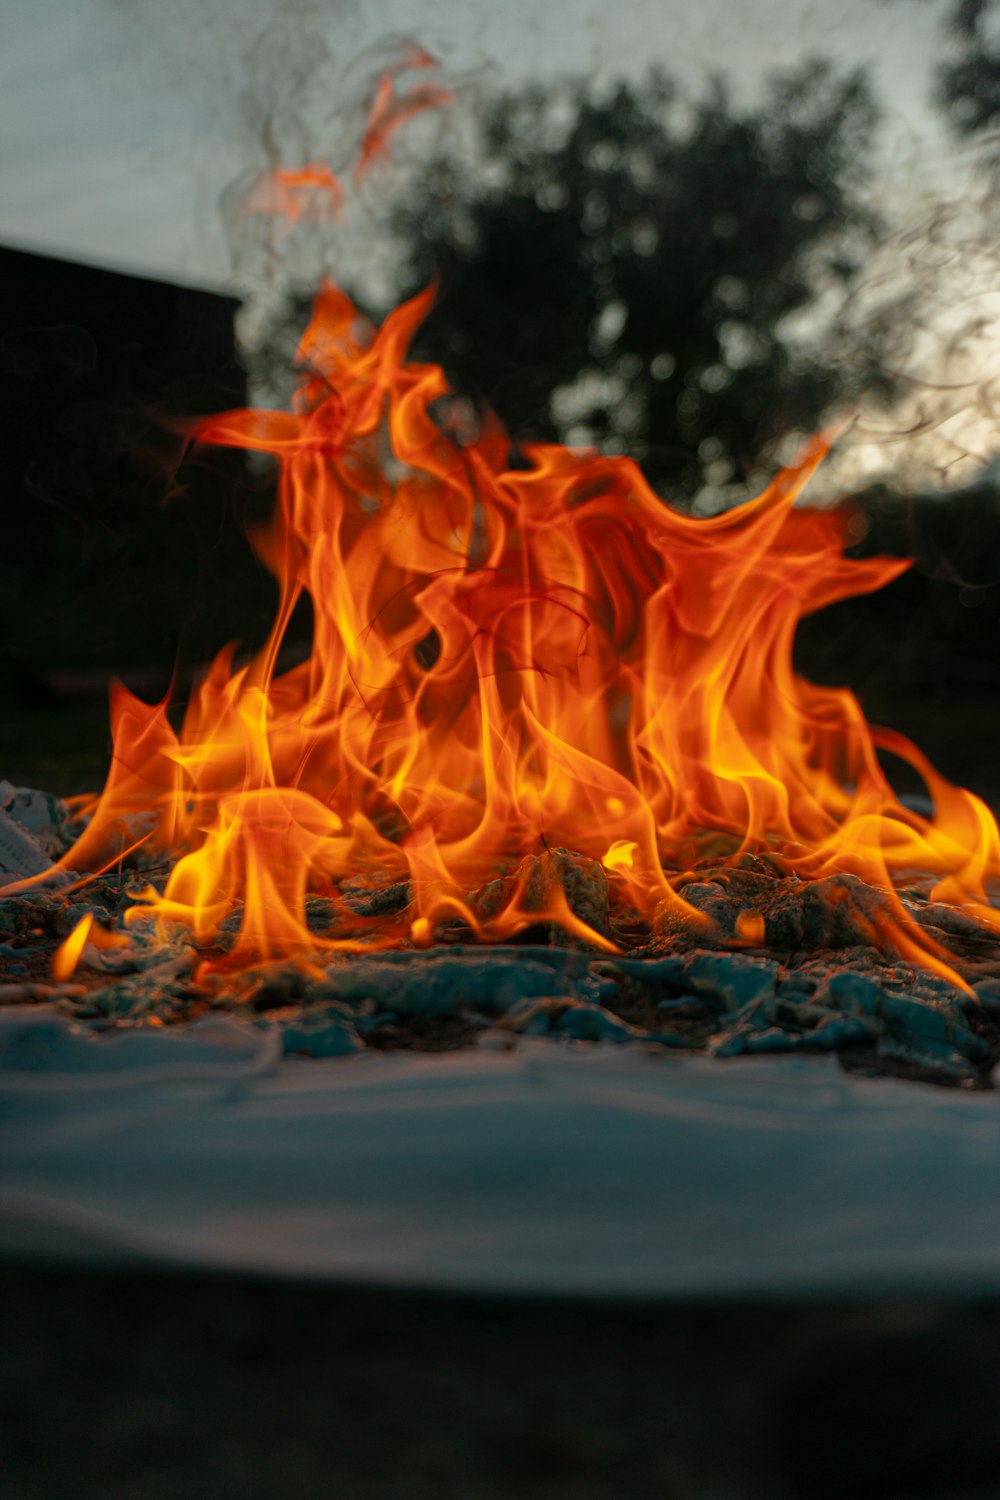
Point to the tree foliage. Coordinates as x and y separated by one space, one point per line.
652 274
969 85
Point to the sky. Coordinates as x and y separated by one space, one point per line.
123 123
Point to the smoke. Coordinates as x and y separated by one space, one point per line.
249 88
284 88
326 148
935 282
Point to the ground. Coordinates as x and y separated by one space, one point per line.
141 1386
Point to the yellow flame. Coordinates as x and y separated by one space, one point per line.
621 855
67 955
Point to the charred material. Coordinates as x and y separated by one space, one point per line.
818 977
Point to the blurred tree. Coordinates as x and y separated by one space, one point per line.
648 274
969 84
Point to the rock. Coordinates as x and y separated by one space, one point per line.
21 854
564 1016
835 912
849 1009
709 897
68 917
367 900
326 1031
539 885
41 814
857 994
734 980
31 992
581 1021
987 993
442 982
948 919
273 986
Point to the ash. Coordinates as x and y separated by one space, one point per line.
819 981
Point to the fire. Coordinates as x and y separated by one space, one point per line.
310 193
67 955
313 193
390 109
506 661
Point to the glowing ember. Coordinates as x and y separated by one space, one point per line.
507 661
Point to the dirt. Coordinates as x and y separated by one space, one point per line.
155 1386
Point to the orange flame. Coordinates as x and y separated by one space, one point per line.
391 110
311 193
509 659
67 955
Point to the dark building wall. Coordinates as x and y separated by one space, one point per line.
119 547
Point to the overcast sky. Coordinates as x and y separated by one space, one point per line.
123 121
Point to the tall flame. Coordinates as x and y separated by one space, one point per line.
506 659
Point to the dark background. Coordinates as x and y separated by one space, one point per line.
124 550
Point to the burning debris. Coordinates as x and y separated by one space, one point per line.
547 770
820 989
